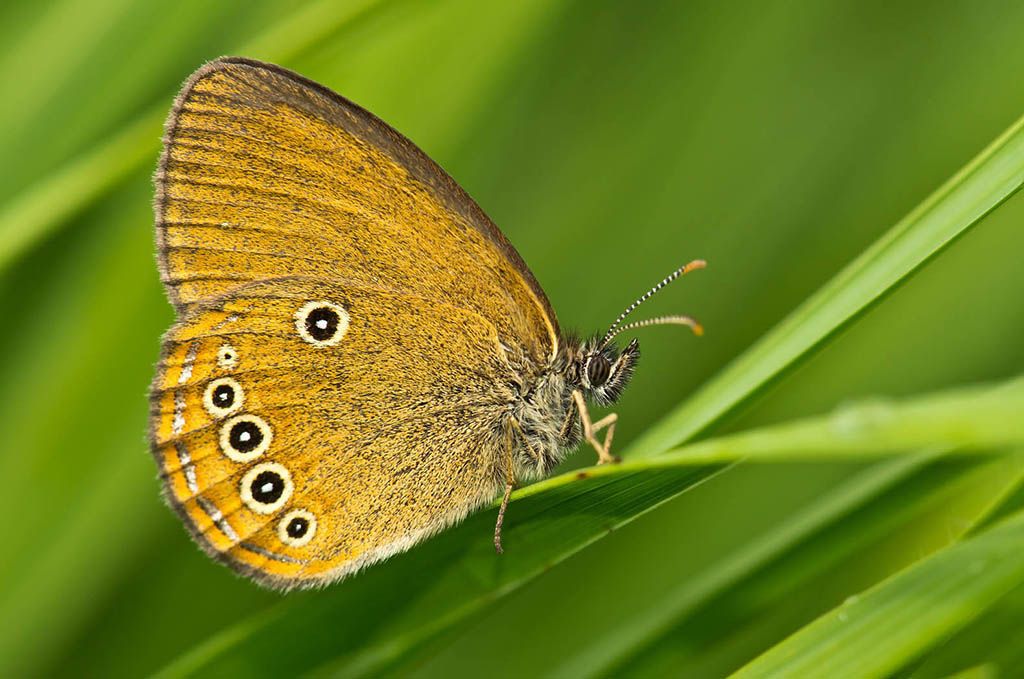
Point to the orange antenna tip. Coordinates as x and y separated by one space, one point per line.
615 329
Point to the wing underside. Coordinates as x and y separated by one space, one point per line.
266 174
385 437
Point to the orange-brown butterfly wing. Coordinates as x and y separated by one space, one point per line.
268 174
274 193
385 436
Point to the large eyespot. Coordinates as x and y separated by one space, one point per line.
244 438
266 487
321 323
227 357
222 397
598 370
297 528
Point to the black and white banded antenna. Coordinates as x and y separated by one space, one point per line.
662 320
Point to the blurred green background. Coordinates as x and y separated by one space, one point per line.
612 142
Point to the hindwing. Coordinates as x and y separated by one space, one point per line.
298 458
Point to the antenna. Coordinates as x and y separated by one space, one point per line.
664 320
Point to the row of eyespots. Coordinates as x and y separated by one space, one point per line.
268 486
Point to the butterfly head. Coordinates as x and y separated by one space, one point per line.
605 371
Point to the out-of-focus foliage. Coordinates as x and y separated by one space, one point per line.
612 142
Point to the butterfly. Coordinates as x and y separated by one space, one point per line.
360 358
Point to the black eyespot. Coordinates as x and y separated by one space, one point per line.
267 488
297 527
224 396
227 357
322 323
598 370
245 436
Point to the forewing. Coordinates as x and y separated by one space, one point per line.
267 174
385 436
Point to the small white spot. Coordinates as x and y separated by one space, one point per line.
229 319
267 487
190 478
322 324
186 365
178 423
185 460
245 436
217 517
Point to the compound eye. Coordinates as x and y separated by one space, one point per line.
598 370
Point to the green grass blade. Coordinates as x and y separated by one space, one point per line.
41 209
606 652
977 418
366 622
850 551
994 640
981 186
973 418
548 522
893 623
977 672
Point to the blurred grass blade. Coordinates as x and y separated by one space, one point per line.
981 186
892 624
877 524
994 640
977 672
366 622
605 653
977 418
40 209
548 522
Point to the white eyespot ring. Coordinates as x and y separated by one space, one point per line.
266 487
297 528
223 396
244 438
321 323
227 357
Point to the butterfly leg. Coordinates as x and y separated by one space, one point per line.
510 479
591 429
510 483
